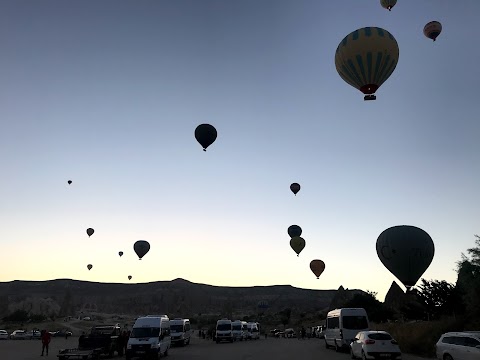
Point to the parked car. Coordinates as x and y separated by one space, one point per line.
19 335
320 332
458 346
61 333
290 333
373 345
279 334
34 334
3 335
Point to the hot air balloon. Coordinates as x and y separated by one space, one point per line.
432 30
366 58
295 187
317 267
406 251
129 277
120 253
90 232
89 266
297 243
294 230
141 247
69 182
205 134
388 4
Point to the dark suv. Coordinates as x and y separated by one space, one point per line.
106 337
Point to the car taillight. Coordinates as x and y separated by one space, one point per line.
369 342
394 342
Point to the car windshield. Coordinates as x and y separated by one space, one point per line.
103 330
224 327
379 336
176 328
237 327
145 332
355 322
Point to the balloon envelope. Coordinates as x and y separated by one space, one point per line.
69 182
406 251
129 277
120 253
432 30
294 230
317 267
297 243
89 266
90 232
141 247
295 188
366 58
205 134
388 4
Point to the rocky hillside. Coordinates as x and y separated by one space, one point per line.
178 297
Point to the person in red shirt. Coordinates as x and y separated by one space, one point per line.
45 341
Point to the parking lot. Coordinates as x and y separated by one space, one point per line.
199 349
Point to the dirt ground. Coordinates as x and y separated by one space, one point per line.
199 349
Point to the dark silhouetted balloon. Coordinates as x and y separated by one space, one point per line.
294 230
89 266
297 243
90 232
407 251
129 277
205 134
317 267
69 182
295 187
120 253
388 4
366 58
432 30
141 247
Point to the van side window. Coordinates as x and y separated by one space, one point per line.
471 342
333 323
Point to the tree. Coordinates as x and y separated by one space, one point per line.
377 311
285 316
438 297
468 283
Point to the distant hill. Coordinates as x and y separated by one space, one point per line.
178 297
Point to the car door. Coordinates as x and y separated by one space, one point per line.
472 350
357 344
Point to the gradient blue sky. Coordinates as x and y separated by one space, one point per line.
108 94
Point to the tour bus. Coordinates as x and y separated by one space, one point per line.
150 337
342 325
224 331
180 331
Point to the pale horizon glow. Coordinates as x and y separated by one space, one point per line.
108 94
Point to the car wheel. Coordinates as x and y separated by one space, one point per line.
165 353
337 349
447 357
326 345
363 356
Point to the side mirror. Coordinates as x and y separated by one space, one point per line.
355 339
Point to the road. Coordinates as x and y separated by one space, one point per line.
199 349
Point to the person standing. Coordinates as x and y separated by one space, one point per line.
45 341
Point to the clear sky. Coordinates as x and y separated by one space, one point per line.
109 93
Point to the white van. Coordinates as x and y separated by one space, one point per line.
237 330
253 331
244 330
224 331
150 337
180 331
342 325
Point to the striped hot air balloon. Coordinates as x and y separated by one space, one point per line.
366 58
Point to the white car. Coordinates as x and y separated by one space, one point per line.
459 346
3 335
19 335
373 345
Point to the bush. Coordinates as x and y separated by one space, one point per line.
419 338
